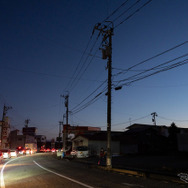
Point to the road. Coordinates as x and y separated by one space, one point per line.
46 171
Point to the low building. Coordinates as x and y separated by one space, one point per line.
16 140
29 131
97 140
41 141
5 131
143 138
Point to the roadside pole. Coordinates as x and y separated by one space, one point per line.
3 128
66 126
107 33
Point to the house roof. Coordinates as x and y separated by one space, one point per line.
100 135
138 125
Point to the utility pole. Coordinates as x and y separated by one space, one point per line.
107 33
154 114
3 128
67 121
27 122
60 130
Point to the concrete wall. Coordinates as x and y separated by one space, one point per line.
182 142
96 145
131 148
79 141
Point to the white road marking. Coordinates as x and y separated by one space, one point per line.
2 177
75 181
132 185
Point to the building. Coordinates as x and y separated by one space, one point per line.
29 131
16 140
96 140
41 141
144 138
161 129
5 131
79 129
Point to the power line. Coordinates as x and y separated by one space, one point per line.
137 10
153 68
89 95
77 79
79 62
157 55
171 119
183 62
117 124
43 73
117 9
77 71
93 100
127 10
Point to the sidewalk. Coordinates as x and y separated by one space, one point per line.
166 167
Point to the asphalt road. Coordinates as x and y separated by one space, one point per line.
46 171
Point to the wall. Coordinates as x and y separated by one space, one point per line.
96 145
79 141
182 140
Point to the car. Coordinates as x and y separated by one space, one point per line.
48 150
73 153
21 150
80 152
6 153
13 153
53 150
60 153
1 157
28 151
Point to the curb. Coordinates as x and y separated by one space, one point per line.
145 174
139 173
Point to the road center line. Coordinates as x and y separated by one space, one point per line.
132 185
75 181
2 177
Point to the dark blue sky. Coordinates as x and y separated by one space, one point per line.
42 46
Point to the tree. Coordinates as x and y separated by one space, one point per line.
173 131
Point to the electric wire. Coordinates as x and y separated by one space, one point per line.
70 82
153 68
136 11
89 95
165 69
93 100
157 55
78 78
117 124
126 10
117 9
173 120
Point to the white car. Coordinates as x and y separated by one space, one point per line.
59 153
13 153
6 153
80 152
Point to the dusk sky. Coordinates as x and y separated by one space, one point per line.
47 50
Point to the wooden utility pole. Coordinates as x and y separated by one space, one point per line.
154 114
3 126
107 33
67 121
